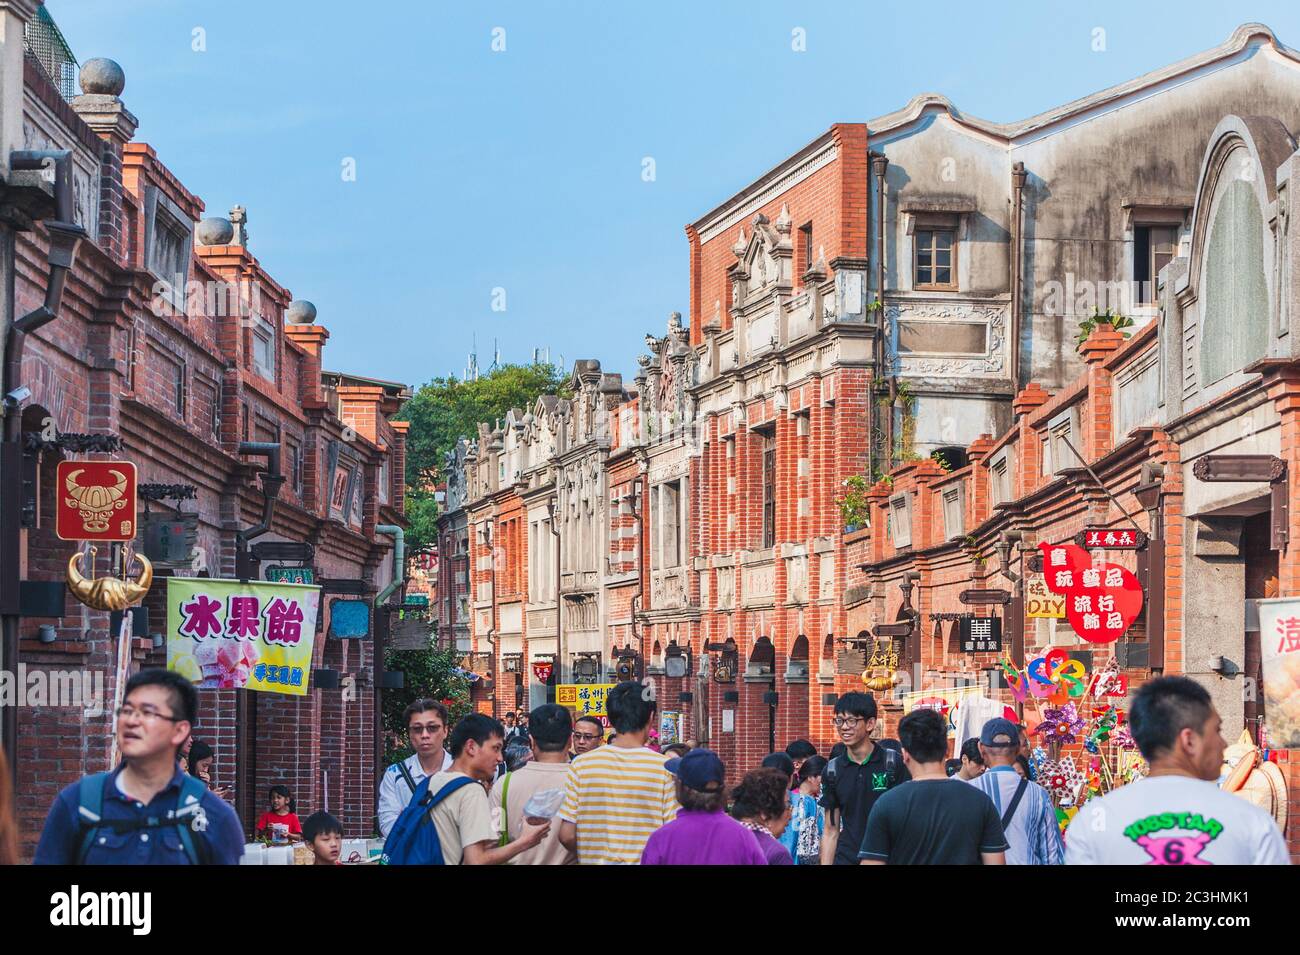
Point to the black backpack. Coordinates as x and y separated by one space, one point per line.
893 768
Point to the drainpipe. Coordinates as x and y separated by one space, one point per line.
561 651
399 561
64 238
381 636
1017 267
879 166
635 603
272 481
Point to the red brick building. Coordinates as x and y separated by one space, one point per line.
174 337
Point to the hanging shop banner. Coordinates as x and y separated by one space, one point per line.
542 671
226 634
585 699
1279 639
1041 602
980 634
282 574
1101 599
1109 538
95 501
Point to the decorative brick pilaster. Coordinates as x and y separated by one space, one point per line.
1098 427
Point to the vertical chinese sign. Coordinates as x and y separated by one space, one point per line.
224 634
1279 639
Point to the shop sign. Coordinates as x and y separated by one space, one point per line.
1101 599
980 634
1279 644
95 501
1110 538
227 634
584 699
1041 602
282 574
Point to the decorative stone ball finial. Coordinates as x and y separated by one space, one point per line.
214 230
102 76
300 312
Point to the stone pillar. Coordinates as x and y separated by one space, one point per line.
14 15
101 107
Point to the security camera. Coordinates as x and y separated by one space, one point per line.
16 397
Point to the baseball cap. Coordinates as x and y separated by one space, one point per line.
700 770
1000 731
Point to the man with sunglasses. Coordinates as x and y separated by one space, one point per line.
852 782
146 811
426 726
587 735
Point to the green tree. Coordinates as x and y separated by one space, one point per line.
447 409
429 673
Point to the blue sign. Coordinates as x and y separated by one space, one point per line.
349 618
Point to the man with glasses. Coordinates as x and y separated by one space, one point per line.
852 782
146 811
587 735
426 726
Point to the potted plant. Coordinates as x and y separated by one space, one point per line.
855 508
1097 319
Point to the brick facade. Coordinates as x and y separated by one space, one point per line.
170 366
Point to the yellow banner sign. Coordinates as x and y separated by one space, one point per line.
1041 602
224 634
585 699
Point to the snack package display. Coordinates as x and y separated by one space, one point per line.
544 804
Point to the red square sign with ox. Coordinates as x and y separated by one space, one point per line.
96 501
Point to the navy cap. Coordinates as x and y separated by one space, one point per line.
700 769
1000 726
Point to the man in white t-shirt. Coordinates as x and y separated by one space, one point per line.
426 727
1177 815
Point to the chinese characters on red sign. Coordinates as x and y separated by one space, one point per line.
1101 599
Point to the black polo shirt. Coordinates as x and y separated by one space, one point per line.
856 788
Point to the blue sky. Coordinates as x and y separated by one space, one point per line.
521 169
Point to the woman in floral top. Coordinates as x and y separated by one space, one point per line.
803 836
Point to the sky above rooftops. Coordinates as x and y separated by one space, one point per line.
504 194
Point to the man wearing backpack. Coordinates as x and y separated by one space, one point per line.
548 773
426 727
853 781
456 801
1028 817
146 811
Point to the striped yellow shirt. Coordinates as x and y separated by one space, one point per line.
617 797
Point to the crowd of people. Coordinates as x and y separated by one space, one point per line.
545 789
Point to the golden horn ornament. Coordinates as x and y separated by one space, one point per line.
108 593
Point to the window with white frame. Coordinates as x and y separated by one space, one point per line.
168 239
263 342
1000 470
383 481
954 512
1062 434
667 503
900 520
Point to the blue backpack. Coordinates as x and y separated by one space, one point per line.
413 840
184 818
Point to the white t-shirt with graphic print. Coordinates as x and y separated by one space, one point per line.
1173 820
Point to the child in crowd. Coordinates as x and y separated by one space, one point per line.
324 834
280 823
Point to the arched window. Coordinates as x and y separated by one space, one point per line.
1236 312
